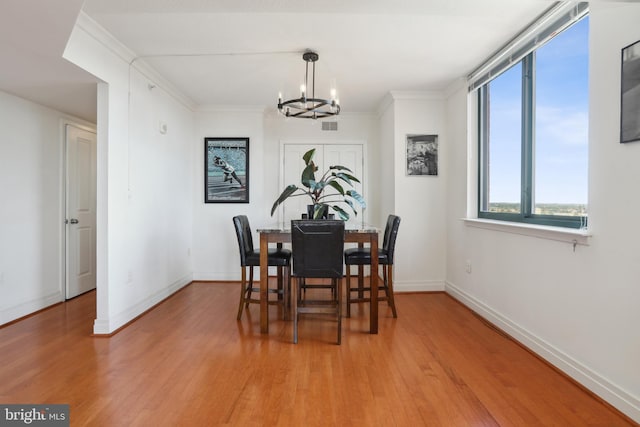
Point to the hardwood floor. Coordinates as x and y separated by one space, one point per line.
189 362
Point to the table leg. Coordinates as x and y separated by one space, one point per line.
360 276
373 317
264 284
280 278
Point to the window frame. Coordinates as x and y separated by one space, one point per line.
527 168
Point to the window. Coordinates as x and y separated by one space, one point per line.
533 132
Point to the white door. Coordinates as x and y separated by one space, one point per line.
349 155
81 211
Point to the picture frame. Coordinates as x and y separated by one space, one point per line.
226 170
630 93
422 155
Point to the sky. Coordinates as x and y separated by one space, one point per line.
561 130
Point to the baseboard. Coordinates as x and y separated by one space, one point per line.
591 380
108 326
26 308
229 276
425 286
220 276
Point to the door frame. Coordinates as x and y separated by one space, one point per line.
64 254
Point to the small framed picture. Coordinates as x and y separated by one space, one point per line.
422 155
226 170
630 94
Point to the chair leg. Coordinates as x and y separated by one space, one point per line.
280 283
294 299
339 290
250 287
348 291
285 293
361 281
243 291
388 278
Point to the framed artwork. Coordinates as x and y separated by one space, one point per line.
422 155
630 94
226 170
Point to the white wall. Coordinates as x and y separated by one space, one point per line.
418 200
577 309
215 246
31 216
145 181
386 160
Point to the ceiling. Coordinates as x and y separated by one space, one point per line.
244 52
33 35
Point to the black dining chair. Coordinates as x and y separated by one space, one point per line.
317 247
361 256
250 257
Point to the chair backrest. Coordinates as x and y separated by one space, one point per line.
317 248
245 239
390 234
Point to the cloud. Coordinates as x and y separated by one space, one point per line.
562 126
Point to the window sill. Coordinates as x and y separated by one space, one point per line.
568 235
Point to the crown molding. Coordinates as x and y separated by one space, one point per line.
105 38
102 36
219 108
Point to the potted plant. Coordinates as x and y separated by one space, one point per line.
336 177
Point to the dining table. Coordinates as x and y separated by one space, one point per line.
279 233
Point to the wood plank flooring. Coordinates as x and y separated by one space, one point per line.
188 362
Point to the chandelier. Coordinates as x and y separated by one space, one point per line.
309 107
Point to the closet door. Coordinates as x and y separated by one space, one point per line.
349 155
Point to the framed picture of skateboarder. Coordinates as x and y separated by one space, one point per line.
226 170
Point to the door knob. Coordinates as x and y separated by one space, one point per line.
73 221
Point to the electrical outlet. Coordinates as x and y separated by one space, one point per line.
468 266
130 277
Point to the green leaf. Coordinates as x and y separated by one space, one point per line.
351 205
308 156
341 213
319 186
340 168
285 194
346 177
357 197
337 186
308 175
